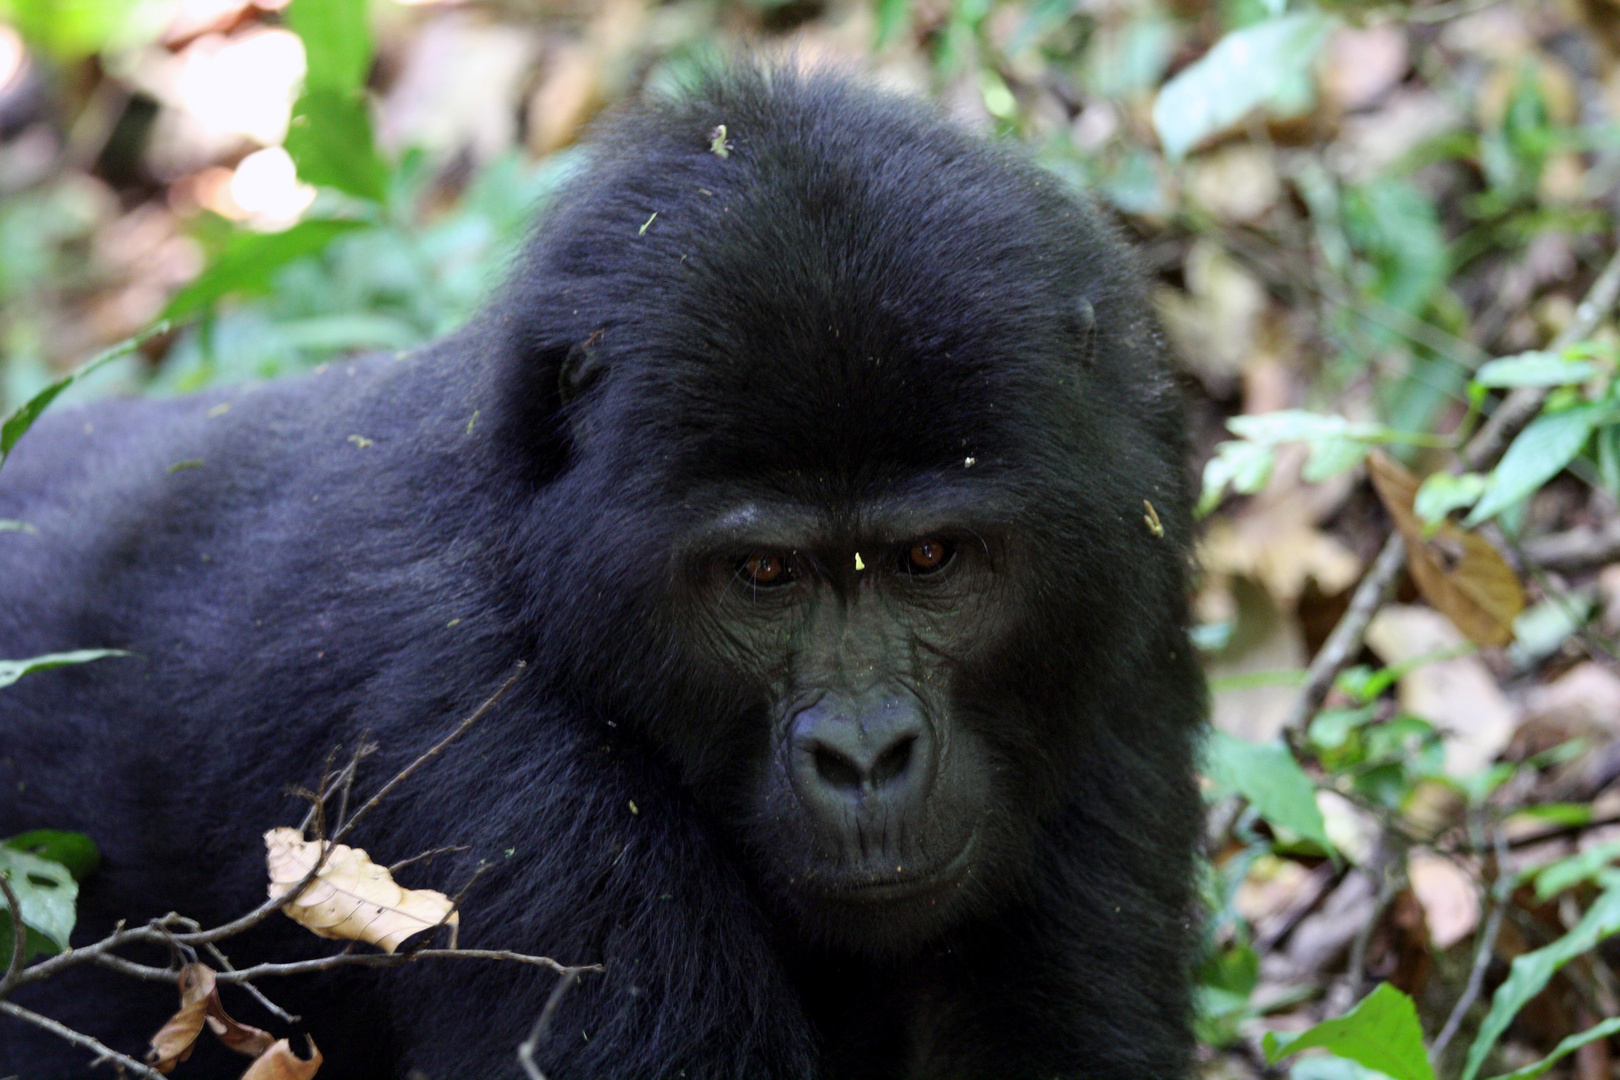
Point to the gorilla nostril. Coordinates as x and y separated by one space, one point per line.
836 770
893 761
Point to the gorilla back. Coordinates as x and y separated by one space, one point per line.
826 471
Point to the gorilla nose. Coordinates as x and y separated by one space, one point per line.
842 756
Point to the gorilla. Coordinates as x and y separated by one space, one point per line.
823 463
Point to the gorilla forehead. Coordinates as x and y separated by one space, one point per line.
832 291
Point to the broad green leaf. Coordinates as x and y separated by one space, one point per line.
337 43
250 261
1608 458
1244 465
46 894
1441 493
1268 776
1532 970
1381 1033
68 29
1575 870
23 417
1244 70
75 851
1299 425
1534 369
1330 457
330 141
1539 453
12 670
893 16
1563 1050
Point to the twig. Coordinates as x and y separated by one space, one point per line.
1575 550
429 754
19 938
327 963
1482 451
403 863
542 1025
258 995
1482 955
62 1031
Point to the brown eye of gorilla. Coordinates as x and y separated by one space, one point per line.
927 556
766 569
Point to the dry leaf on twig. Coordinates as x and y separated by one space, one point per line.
1459 572
199 1005
278 1062
352 898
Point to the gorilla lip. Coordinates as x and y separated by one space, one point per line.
884 890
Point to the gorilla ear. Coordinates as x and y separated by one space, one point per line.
580 368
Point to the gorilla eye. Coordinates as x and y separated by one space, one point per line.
927 556
767 569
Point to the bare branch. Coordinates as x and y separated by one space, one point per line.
426 856
19 938
542 1025
1483 952
337 960
62 1031
430 753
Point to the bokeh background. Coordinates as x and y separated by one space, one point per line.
1365 223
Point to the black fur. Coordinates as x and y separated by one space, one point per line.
859 313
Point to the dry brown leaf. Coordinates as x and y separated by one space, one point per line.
175 1039
199 1005
352 898
1459 572
278 1062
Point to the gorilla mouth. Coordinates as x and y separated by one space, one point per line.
932 881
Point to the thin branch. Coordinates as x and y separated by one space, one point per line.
1482 957
542 1025
427 855
62 1031
429 754
327 963
19 938
1482 451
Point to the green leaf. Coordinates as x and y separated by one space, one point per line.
1531 972
12 670
1441 493
1534 369
1585 866
1381 1033
68 29
1299 425
1564 1049
23 417
1246 69
1269 777
250 261
893 16
46 894
1245 465
337 42
75 851
1330 457
330 141
1539 453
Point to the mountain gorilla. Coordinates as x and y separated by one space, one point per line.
823 463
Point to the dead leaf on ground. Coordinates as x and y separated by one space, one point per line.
1458 695
1459 572
1449 897
278 1062
352 898
199 1005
